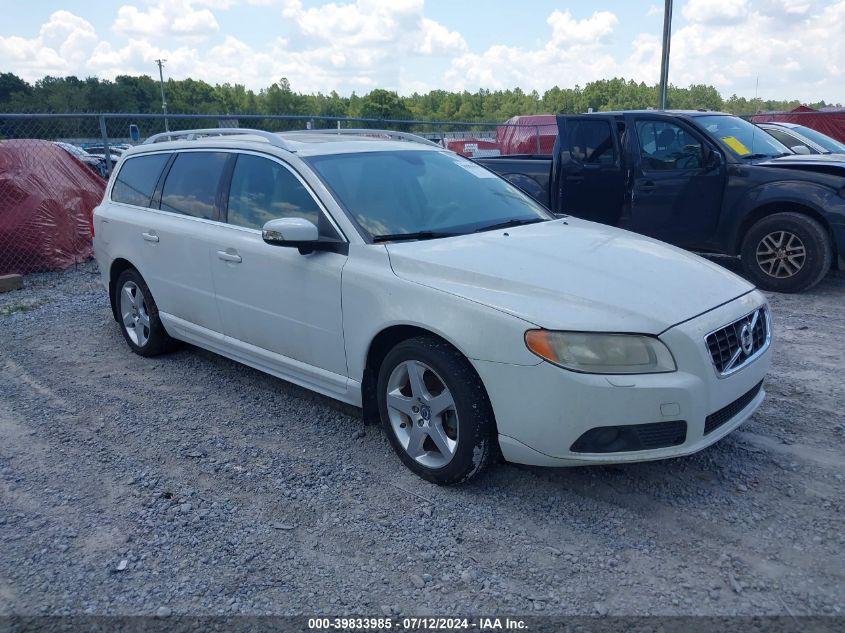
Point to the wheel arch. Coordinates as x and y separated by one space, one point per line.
771 208
381 344
117 267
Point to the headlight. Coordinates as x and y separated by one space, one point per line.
595 353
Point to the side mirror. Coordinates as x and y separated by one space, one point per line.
714 160
297 232
802 149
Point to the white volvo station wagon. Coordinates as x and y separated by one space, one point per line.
386 272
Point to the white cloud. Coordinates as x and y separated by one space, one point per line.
575 53
62 46
793 54
566 29
715 11
163 18
436 39
796 47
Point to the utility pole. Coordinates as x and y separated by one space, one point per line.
160 63
664 58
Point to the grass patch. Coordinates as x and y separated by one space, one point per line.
18 307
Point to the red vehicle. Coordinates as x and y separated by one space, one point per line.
533 134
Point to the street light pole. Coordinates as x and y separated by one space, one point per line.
160 63
664 58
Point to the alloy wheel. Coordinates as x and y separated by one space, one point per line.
133 313
781 254
422 413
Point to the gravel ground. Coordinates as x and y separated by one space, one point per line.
191 484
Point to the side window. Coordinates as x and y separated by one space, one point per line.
264 190
191 185
666 146
591 142
136 180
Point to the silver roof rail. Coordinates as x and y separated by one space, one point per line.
403 136
191 135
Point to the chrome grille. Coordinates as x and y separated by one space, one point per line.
738 343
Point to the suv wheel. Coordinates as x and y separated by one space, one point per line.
787 252
138 316
435 411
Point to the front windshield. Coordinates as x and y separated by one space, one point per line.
394 193
830 144
741 138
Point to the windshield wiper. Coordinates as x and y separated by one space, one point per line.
509 223
760 155
419 235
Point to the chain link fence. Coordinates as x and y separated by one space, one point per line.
54 167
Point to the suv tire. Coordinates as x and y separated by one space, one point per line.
786 252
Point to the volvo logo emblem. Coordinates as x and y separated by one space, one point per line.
746 340
425 413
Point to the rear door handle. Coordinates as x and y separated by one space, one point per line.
229 257
574 178
647 186
150 237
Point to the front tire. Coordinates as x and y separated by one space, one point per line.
435 411
138 316
787 252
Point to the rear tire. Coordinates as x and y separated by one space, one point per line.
138 316
787 252
435 411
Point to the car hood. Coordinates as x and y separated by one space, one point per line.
827 163
571 274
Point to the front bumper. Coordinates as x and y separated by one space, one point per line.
541 410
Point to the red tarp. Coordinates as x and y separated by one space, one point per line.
513 138
46 200
831 123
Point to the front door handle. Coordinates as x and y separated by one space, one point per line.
150 237
647 186
226 256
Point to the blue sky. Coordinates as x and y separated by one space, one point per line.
795 47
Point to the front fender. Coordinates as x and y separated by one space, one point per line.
822 201
374 299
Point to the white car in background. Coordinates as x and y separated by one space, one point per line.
802 139
407 280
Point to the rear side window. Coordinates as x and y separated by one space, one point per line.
591 142
192 182
263 190
136 180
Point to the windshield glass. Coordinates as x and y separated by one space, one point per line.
408 192
830 144
741 138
